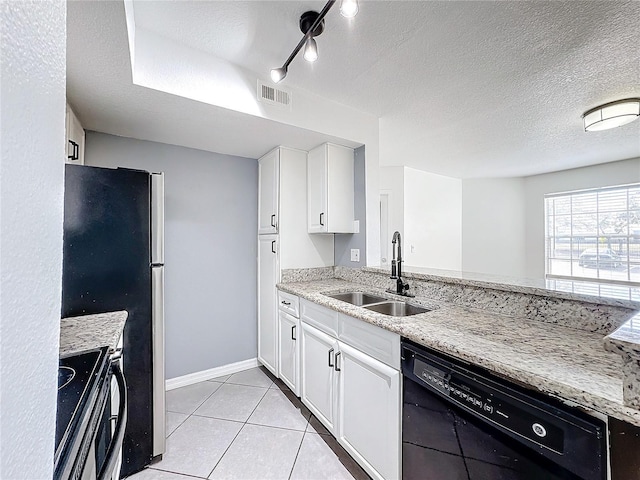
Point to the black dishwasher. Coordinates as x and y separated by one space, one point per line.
461 422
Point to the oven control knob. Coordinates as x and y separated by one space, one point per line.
539 430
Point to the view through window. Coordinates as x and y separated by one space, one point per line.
594 235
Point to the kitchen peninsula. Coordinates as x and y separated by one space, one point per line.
546 340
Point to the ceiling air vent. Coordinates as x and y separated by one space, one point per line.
274 96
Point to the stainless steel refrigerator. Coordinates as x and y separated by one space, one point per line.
113 259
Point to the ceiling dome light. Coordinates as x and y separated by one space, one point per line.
310 50
277 74
349 8
611 115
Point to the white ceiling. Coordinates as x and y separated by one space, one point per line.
466 89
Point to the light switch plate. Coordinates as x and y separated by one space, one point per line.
355 254
356 226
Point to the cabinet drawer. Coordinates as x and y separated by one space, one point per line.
324 319
289 303
374 341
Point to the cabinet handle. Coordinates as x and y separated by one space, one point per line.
293 332
284 302
273 246
336 358
321 222
273 220
330 352
75 153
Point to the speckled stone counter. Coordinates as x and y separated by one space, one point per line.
91 331
564 362
594 314
625 341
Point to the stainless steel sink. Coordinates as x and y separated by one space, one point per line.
397 309
357 298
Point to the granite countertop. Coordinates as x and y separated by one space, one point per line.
91 331
563 362
581 290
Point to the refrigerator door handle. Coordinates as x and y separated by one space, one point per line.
157 292
157 218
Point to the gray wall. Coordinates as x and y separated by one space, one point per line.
345 242
210 248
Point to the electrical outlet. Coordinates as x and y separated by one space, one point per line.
355 254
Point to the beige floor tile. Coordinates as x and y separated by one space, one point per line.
197 445
187 399
259 453
232 402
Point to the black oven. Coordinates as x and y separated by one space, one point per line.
89 424
461 422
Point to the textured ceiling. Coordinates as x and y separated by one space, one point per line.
466 89
100 90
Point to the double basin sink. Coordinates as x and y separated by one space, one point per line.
378 304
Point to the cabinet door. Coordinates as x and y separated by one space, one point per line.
340 189
369 412
268 188
317 381
317 220
267 279
289 332
74 137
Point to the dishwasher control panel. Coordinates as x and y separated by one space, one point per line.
510 413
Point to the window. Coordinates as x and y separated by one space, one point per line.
594 235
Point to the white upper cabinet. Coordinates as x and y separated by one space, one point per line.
268 191
74 139
330 189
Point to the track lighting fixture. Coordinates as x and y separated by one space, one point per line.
312 25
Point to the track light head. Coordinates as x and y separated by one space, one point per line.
349 8
277 74
310 50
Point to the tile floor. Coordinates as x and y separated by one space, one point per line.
247 426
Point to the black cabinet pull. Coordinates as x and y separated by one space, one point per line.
321 222
273 246
336 358
284 302
273 220
75 153
330 352
293 332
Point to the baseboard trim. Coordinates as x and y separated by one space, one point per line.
196 377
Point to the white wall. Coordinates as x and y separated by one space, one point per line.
211 218
615 173
493 226
391 185
432 220
427 210
32 118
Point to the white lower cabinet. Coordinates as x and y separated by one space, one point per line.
369 412
356 397
318 383
289 351
267 310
